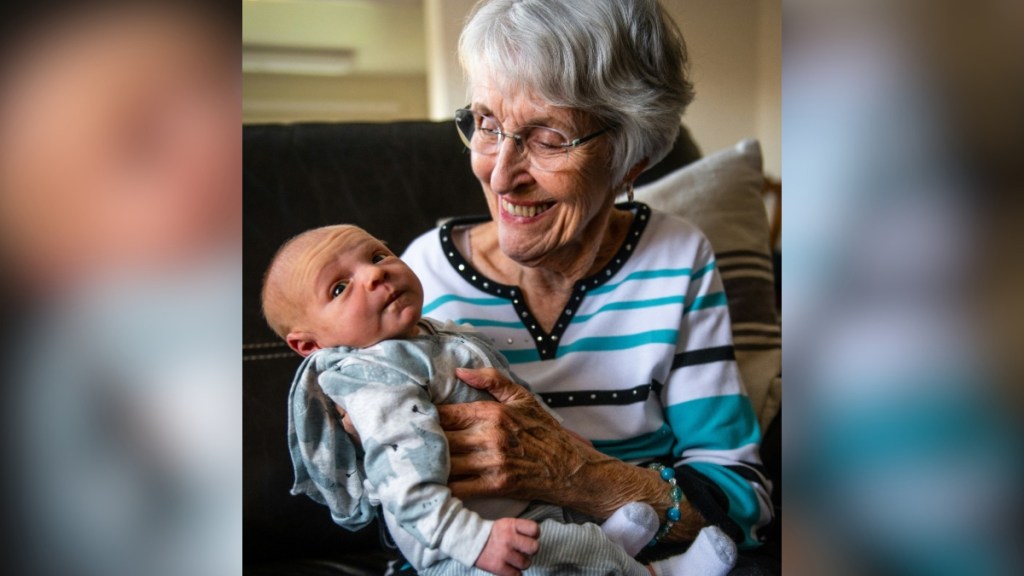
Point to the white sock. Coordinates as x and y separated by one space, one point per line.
632 527
711 554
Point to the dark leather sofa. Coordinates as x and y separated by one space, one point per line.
395 180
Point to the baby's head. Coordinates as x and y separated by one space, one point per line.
339 286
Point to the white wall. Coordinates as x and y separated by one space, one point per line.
736 63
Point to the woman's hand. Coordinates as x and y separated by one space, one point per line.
515 448
512 447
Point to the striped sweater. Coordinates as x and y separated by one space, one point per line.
641 361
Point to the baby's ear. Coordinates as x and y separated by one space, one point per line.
302 342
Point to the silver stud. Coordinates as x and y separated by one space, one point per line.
615 394
593 396
486 284
509 340
462 267
553 337
474 277
540 338
570 398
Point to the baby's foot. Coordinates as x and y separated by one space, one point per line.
632 526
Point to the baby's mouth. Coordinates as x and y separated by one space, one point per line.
391 299
525 210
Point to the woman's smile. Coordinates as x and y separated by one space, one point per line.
523 210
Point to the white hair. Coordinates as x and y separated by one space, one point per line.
621 61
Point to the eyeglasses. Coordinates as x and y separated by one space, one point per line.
546 148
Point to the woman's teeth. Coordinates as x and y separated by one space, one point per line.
523 211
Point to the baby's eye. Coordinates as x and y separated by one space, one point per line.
379 257
337 289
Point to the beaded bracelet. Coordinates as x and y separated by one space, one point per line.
672 515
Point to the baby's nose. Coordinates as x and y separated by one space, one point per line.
373 276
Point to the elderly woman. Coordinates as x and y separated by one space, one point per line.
614 313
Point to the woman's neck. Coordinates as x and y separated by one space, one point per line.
548 284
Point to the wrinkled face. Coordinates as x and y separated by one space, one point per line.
543 216
356 292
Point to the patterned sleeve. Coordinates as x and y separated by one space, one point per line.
406 457
716 432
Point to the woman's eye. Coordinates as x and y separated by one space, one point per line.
337 289
379 257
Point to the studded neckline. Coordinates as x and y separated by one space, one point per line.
546 343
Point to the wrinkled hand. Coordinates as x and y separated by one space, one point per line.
512 447
510 547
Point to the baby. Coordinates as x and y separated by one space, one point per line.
346 303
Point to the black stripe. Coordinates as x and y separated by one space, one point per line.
742 254
703 356
745 266
598 397
776 333
709 499
751 473
751 300
753 347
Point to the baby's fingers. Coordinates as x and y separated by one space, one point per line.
526 537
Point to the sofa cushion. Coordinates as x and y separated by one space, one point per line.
721 194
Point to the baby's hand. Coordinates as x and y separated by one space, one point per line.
510 547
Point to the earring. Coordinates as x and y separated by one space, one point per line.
629 191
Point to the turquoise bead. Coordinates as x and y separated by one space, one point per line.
672 514
667 473
676 494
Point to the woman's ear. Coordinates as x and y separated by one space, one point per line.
637 168
302 342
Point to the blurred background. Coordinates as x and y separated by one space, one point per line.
381 60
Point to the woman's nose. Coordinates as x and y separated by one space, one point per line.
509 167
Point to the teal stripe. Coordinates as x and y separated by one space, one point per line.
708 268
607 343
715 423
706 301
440 301
654 445
478 322
597 344
744 508
630 305
521 356
644 275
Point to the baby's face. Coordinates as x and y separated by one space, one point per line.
356 292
